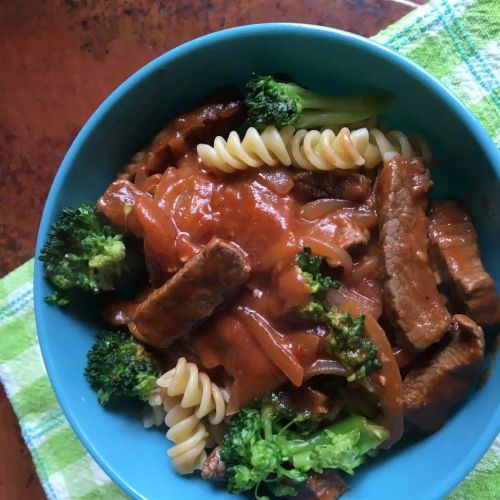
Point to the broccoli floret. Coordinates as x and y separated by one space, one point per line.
58 298
118 365
310 267
276 447
83 252
272 102
346 340
313 312
348 344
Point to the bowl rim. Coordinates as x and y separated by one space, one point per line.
472 124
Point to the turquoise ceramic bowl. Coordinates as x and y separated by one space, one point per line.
468 168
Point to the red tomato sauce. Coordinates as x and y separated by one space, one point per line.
252 336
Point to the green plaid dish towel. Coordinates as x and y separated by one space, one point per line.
65 469
458 41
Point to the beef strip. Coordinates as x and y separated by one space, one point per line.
216 117
191 295
435 385
343 185
411 298
117 205
454 247
326 486
213 467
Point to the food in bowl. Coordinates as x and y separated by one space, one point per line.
277 287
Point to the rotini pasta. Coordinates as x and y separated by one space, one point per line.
189 435
187 396
154 413
196 389
308 149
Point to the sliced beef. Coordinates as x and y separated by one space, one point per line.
191 295
216 117
455 250
213 467
326 486
117 205
436 384
411 298
343 185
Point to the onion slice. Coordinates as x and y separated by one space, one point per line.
325 367
403 357
151 183
345 294
363 216
335 256
365 269
273 345
319 208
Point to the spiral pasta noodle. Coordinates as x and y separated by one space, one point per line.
186 397
196 389
308 149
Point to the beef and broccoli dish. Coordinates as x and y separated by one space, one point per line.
298 300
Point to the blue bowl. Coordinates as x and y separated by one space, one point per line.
324 59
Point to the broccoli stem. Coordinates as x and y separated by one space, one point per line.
273 102
370 436
361 435
319 119
354 104
335 110
338 110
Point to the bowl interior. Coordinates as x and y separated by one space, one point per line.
467 167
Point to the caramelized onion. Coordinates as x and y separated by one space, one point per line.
273 344
365 269
335 255
345 294
403 357
166 179
325 367
151 183
319 208
159 231
363 216
140 178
